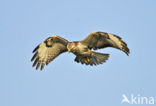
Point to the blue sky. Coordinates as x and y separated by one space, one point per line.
26 23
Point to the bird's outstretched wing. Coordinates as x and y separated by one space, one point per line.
48 50
97 40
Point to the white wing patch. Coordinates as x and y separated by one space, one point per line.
118 43
44 55
115 40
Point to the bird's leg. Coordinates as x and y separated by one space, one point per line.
87 60
87 54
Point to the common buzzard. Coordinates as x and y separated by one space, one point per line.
53 46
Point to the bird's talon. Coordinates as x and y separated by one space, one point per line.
87 61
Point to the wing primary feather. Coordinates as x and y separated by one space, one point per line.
35 62
126 50
47 63
116 36
35 55
38 65
42 66
35 48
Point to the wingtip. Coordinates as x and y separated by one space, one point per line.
34 56
35 49
126 50
127 54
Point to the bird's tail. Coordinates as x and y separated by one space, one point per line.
100 57
95 59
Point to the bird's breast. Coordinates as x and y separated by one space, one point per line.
81 47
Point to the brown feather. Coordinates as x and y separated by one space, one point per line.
35 49
35 62
48 51
98 40
35 55
42 66
38 65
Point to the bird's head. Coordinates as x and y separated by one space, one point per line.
71 47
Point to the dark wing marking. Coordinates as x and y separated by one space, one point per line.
95 59
98 40
48 50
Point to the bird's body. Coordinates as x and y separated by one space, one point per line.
77 48
55 45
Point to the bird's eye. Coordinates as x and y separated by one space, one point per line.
51 39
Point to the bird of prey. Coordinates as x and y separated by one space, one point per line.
84 50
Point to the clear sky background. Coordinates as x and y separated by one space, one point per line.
26 23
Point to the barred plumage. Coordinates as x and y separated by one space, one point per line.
53 46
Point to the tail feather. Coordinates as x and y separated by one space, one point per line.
100 57
95 59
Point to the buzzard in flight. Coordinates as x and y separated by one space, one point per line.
53 46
